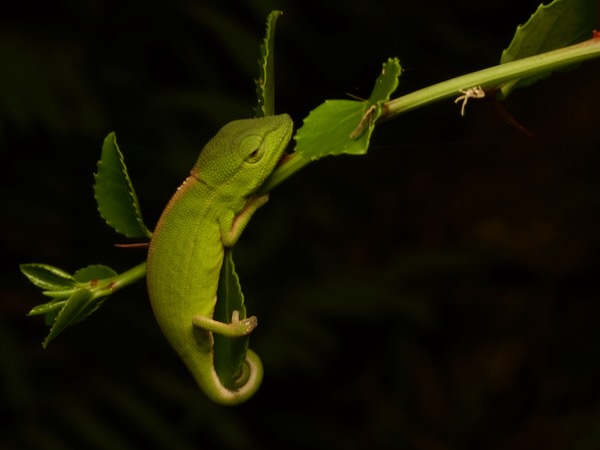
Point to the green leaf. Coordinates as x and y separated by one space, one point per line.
75 297
94 272
387 82
77 307
117 202
345 126
385 85
50 310
265 84
46 308
230 353
51 315
328 128
553 26
48 277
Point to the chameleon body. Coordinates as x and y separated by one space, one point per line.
209 212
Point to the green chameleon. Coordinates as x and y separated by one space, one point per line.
209 212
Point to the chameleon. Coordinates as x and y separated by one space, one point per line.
208 213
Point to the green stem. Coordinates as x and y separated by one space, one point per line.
111 285
494 77
292 164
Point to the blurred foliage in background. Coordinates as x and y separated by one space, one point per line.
439 293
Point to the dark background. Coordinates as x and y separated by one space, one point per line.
439 293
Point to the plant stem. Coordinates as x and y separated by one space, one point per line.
292 164
111 285
494 77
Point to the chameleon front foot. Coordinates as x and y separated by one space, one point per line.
237 328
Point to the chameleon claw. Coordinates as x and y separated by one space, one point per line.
250 323
237 328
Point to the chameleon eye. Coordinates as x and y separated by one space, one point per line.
251 149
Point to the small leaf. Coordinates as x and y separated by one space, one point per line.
387 81
51 315
48 277
553 26
265 84
345 126
46 308
230 353
50 310
94 272
78 306
328 128
385 85
117 202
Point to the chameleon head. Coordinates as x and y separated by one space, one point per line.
244 152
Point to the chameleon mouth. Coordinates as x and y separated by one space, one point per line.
285 158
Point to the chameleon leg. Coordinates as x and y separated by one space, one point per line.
236 328
232 227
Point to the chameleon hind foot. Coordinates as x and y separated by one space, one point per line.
237 328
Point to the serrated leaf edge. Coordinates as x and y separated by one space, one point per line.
110 273
53 333
51 269
145 232
266 108
46 307
507 88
